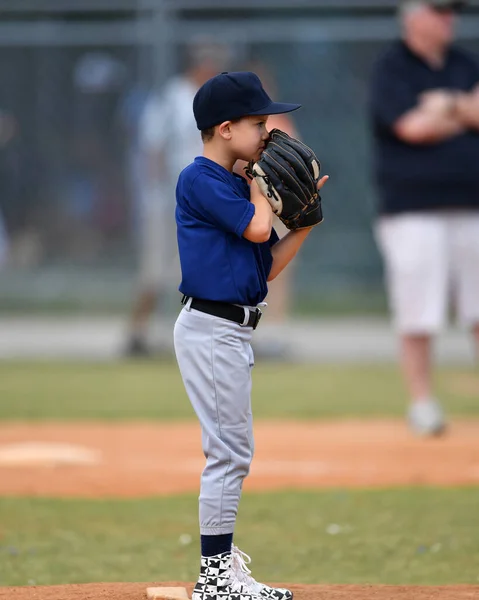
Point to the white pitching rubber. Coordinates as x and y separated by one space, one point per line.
166 593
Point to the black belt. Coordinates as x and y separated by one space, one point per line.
246 317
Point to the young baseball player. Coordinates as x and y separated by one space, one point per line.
228 251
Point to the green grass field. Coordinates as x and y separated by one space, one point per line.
424 536
402 536
150 390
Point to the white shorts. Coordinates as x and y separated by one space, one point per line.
431 259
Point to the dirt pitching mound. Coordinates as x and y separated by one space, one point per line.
137 591
144 459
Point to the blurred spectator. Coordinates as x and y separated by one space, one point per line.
279 297
168 141
96 199
8 130
3 243
425 111
280 289
19 241
130 112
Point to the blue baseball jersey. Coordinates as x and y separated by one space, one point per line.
212 212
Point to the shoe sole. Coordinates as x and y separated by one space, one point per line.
438 431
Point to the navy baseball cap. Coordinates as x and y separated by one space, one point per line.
230 96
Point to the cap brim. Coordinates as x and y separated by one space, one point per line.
276 108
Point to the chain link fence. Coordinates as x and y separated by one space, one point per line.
73 85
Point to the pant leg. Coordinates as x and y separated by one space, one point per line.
464 250
215 360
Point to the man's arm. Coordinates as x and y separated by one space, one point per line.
432 121
467 109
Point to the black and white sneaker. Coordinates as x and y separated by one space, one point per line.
218 581
243 575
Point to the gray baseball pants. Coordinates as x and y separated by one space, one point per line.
215 360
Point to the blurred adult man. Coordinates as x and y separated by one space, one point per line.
169 141
280 290
425 112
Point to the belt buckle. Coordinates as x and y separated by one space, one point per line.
258 314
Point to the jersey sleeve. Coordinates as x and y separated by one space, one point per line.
391 96
221 204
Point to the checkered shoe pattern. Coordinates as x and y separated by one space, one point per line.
217 580
243 575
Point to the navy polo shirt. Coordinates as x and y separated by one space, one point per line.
421 177
217 263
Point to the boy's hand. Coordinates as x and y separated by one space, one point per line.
322 181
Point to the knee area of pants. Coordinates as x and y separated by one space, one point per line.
243 463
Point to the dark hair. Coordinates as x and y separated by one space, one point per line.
207 134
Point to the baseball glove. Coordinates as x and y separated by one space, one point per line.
287 174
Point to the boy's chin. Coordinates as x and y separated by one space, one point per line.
256 156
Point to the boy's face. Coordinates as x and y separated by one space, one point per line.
248 137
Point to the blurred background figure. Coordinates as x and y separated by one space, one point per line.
17 241
3 242
425 113
280 290
96 201
168 141
8 131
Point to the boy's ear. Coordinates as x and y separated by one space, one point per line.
224 129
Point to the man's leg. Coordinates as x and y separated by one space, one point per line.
279 294
465 260
475 331
415 254
278 311
415 353
143 308
152 285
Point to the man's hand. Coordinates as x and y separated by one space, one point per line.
467 109
432 121
440 102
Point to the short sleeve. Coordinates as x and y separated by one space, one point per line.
391 95
221 204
